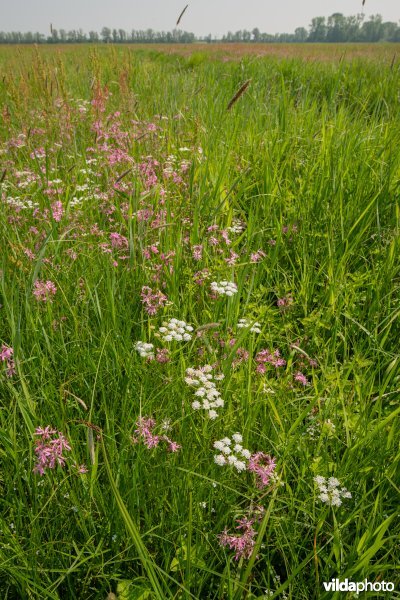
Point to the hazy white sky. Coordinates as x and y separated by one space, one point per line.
202 16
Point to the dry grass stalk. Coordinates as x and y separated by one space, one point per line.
239 93
181 15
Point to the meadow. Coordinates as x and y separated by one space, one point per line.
199 366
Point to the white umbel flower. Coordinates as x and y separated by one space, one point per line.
246 324
174 330
224 288
330 492
145 350
236 457
203 380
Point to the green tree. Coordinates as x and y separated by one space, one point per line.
317 30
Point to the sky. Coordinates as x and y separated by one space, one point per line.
202 16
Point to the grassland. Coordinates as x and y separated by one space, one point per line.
127 189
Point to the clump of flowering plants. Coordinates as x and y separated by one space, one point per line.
50 448
145 433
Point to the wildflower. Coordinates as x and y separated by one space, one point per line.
178 331
242 543
224 288
197 252
246 324
144 431
225 237
82 469
301 378
284 302
44 290
57 211
49 447
203 380
162 355
6 355
224 446
231 260
145 350
329 491
152 301
263 465
257 256
220 460
119 241
237 226
271 357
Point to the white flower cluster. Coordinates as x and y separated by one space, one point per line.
230 455
246 324
329 491
209 398
237 226
224 288
145 350
176 330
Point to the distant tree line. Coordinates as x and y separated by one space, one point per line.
336 28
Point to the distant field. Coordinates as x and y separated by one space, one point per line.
323 52
199 364
311 52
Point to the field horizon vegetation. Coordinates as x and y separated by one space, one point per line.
199 290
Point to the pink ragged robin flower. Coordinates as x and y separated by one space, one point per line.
197 252
284 302
49 448
162 355
44 290
82 469
263 465
301 378
152 301
144 431
6 355
57 211
257 256
273 358
243 543
118 240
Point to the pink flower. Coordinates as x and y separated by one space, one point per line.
82 469
57 211
44 290
162 355
152 301
225 237
273 358
49 448
257 256
301 378
118 240
197 252
284 302
144 431
263 465
6 355
6 352
231 260
172 446
243 544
